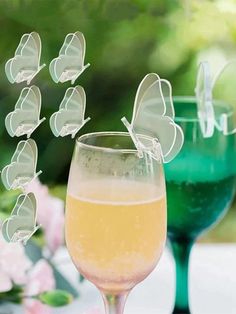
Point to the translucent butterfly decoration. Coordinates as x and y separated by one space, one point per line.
203 93
205 89
70 117
69 65
22 169
26 116
21 224
25 65
153 115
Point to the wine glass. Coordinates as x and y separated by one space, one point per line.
115 214
200 187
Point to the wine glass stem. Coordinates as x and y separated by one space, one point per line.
114 304
181 250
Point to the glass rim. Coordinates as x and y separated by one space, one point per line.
185 99
79 141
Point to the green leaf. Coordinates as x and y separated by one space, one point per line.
62 283
33 251
81 278
12 296
55 298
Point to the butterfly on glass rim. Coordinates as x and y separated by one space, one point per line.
69 65
25 64
208 92
153 115
70 117
22 169
26 116
21 224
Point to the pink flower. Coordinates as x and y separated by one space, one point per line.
13 264
40 279
35 307
50 214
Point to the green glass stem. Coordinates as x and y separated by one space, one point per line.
181 250
114 304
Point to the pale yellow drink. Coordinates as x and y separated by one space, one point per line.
116 231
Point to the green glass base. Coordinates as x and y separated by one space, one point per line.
181 311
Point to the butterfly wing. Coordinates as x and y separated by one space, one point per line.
22 222
224 91
27 113
27 155
5 231
53 71
66 43
77 47
20 200
38 44
16 175
34 99
28 207
18 228
33 153
8 124
23 96
153 116
66 97
177 144
166 91
17 65
26 46
67 119
70 62
26 59
22 153
31 99
4 177
59 65
150 107
148 93
160 127
20 122
203 93
70 117
28 50
53 124
8 71
77 101
80 90
20 146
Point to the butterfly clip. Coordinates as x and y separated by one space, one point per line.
70 117
25 65
69 65
26 116
21 224
153 116
204 91
22 169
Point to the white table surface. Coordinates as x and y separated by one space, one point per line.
212 285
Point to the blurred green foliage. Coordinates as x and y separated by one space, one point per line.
125 40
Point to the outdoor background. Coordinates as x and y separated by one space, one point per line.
125 41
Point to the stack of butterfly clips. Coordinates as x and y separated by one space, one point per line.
25 119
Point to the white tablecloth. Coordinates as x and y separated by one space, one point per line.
212 284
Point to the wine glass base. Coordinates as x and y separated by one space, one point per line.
181 311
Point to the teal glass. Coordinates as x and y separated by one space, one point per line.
200 188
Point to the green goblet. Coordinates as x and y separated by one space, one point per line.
200 187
